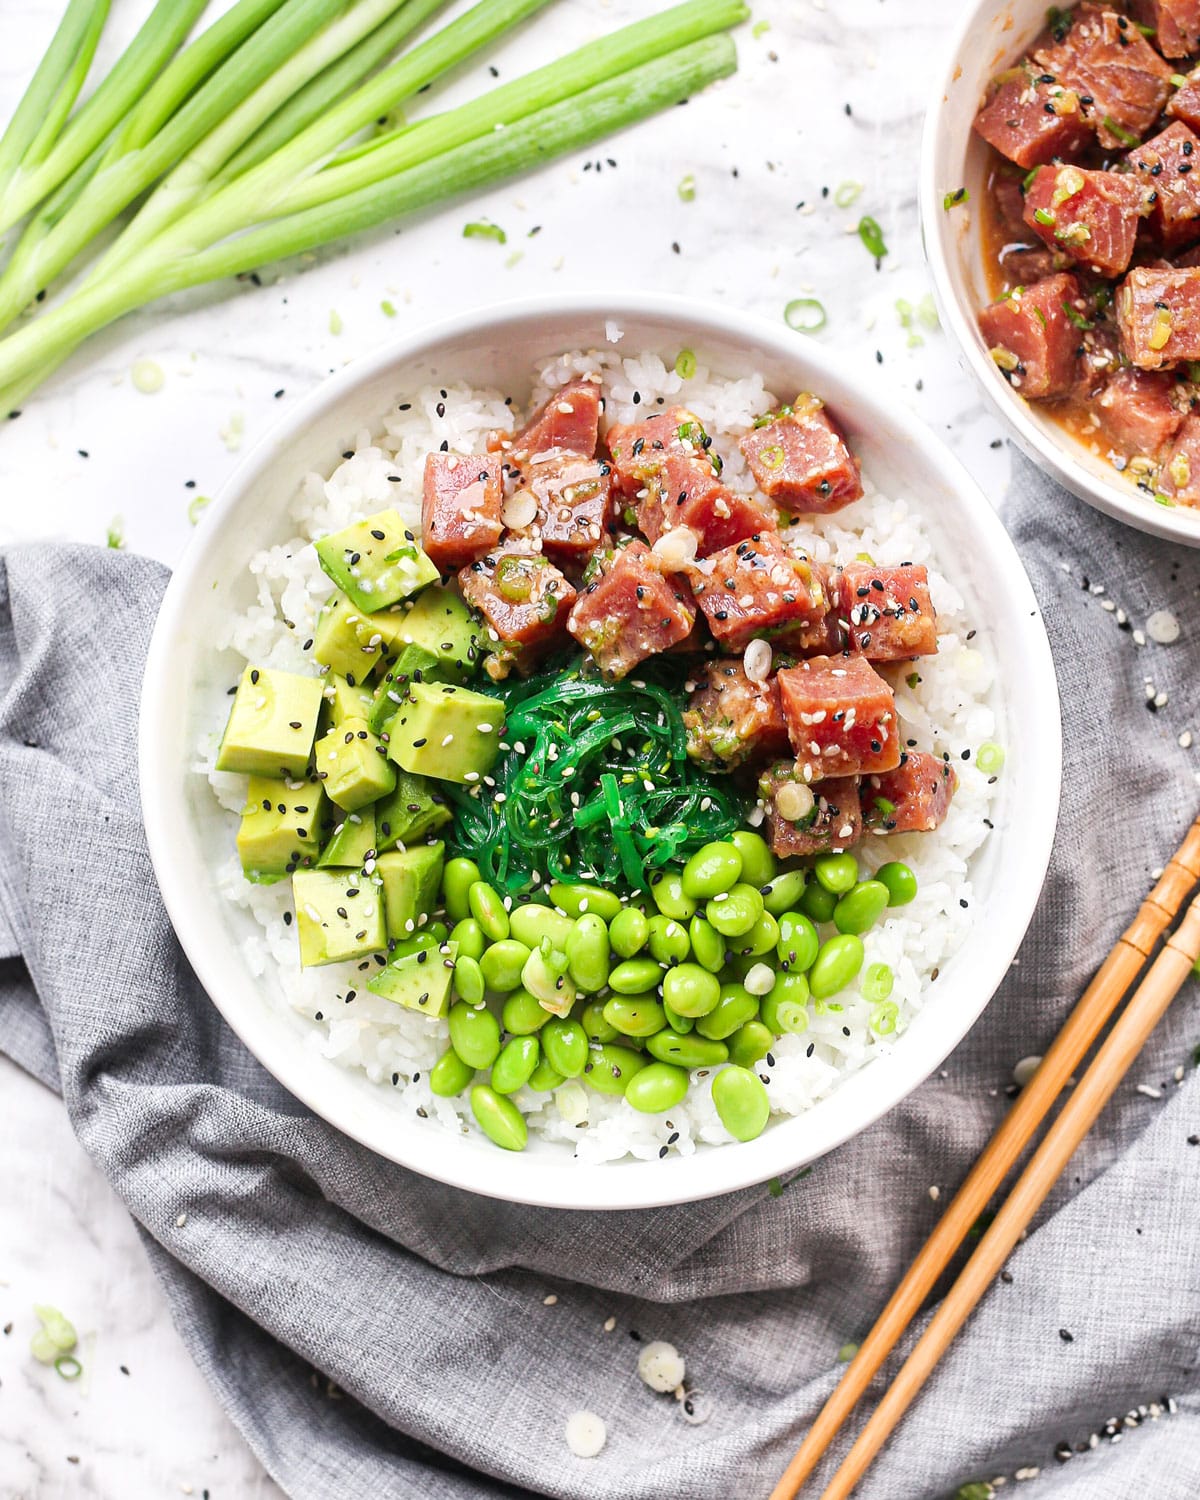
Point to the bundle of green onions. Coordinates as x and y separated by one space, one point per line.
262 138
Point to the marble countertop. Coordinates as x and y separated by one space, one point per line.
823 96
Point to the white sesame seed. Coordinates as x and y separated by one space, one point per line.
935 1192
1024 1070
1162 627
585 1434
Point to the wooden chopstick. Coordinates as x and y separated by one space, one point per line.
1080 1030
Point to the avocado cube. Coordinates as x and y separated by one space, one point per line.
439 623
272 724
338 917
411 812
344 700
352 840
336 644
447 732
353 764
421 981
411 880
376 562
280 830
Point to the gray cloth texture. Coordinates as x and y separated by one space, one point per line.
372 1332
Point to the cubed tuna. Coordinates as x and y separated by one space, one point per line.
1031 121
1121 81
1158 314
1032 337
914 798
524 601
630 612
1176 24
1139 410
1185 102
800 459
686 493
569 422
460 509
760 588
1168 167
640 450
803 820
1023 257
1092 216
841 717
570 498
888 613
731 719
1179 476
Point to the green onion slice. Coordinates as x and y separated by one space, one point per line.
847 193
955 198
872 236
685 364
805 315
990 758
687 188
478 230
68 1367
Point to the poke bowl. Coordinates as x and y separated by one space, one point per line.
1061 225
609 717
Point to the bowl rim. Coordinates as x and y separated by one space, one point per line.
1120 501
626 1184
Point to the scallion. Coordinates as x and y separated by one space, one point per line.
685 364
805 315
687 188
1043 216
1076 317
481 231
847 192
955 198
872 237
990 758
196 507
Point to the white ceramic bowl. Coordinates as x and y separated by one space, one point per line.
184 697
991 35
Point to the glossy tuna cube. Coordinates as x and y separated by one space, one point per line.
524 601
914 798
841 717
460 509
1032 338
1158 315
732 719
1030 121
1168 167
1138 409
800 459
1179 476
632 611
1175 23
759 589
888 613
1185 102
803 820
1121 81
687 493
1091 216
567 503
569 423
640 450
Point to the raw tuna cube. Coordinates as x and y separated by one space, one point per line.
686 493
1140 414
841 716
568 499
1023 257
524 601
1179 476
1030 121
1031 337
1092 216
1158 314
569 421
1185 102
1176 24
1121 81
888 612
630 612
1168 165
799 458
759 588
460 510
914 798
731 719
640 449
804 820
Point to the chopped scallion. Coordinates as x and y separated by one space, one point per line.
847 193
1043 216
990 758
1126 137
687 188
387 308
955 198
479 230
114 537
68 1367
196 506
872 237
805 315
685 364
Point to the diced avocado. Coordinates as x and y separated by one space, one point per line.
411 878
352 840
280 830
447 732
353 764
414 664
272 724
412 811
345 701
376 562
421 981
338 917
440 623
336 644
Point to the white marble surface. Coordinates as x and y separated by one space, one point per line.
823 95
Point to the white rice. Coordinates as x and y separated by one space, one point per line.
947 711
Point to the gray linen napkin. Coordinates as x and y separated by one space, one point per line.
301 1252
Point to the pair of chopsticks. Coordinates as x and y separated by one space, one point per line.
1112 1061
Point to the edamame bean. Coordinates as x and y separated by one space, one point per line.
587 950
784 1011
635 976
708 946
758 862
690 990
736 911
670 897
742 1101
675 1021
530 923
420 942
686 1051
457 879
900 881
711 871
474 1034
609 1068
798 942
565 1046
761 938
523 1014
437 931
502 963
860 908
749 1043
877 983
658 1087
449 1075
782 893
669 942
836 965
499 1118
468 980
635 1015
836 872
487 907
735 1007
544 1079
817 903
628 931
470 939
576 900
591 1018
515 1064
